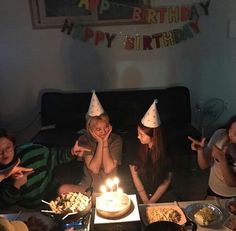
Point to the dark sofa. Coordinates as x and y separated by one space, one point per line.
66 112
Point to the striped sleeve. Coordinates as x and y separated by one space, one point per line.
41 183
60 156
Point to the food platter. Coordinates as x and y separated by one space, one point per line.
69 206
230 206
69 203
192 209
154 212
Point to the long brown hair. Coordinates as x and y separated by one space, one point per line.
154 171
158 150
229 123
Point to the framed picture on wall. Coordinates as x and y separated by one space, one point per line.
52 13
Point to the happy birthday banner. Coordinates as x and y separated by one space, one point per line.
151 15
143 42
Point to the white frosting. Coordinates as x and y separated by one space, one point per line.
112 204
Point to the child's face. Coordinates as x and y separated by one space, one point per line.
101 128
143 137
6 151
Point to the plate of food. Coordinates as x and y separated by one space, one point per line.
204 214
230 206
172 213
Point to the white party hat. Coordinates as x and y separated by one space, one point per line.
95 107
151 119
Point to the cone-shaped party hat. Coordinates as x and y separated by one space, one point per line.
95 107
151 119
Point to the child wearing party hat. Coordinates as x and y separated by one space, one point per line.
106 148
149 167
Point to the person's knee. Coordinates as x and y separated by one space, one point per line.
63 189
66 188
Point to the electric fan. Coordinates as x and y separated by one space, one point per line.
209 113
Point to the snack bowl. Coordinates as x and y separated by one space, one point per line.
69 207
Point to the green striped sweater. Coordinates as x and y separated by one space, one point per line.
42 183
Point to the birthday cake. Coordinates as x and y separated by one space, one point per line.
113 205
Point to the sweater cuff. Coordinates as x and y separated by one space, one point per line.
14 191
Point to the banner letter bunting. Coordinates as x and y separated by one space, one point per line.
151 15
188 14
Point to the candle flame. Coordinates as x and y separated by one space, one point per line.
103 189
120 190
110 183
116 180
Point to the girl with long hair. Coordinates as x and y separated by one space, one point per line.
106 150
220 155
150 168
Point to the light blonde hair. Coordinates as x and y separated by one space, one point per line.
91 121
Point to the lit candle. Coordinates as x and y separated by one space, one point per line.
110 184
116 182
103 189
120 190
